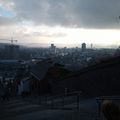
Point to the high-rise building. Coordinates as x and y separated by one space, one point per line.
53 49
83 47
52 46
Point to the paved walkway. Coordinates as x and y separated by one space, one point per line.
24 110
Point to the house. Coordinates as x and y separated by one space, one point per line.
43 76
24 86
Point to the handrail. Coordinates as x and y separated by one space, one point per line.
66 94
62 97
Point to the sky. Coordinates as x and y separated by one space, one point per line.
62 22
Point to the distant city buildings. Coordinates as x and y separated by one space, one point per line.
77 57
12 51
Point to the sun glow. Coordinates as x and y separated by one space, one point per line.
30 33
77 36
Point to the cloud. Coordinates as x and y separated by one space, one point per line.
4 21
60 21
46 34
8 4
70 13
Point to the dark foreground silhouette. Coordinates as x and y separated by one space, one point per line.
110 110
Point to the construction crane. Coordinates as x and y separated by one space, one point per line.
12 40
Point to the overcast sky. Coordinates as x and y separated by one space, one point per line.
61 21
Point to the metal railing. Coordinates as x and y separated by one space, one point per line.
59 101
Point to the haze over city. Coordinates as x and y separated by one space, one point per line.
62 22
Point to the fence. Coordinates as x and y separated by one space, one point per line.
82 105
87 107
61 101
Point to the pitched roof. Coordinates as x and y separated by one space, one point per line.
40 69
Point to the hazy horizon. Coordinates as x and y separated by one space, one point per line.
47 45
